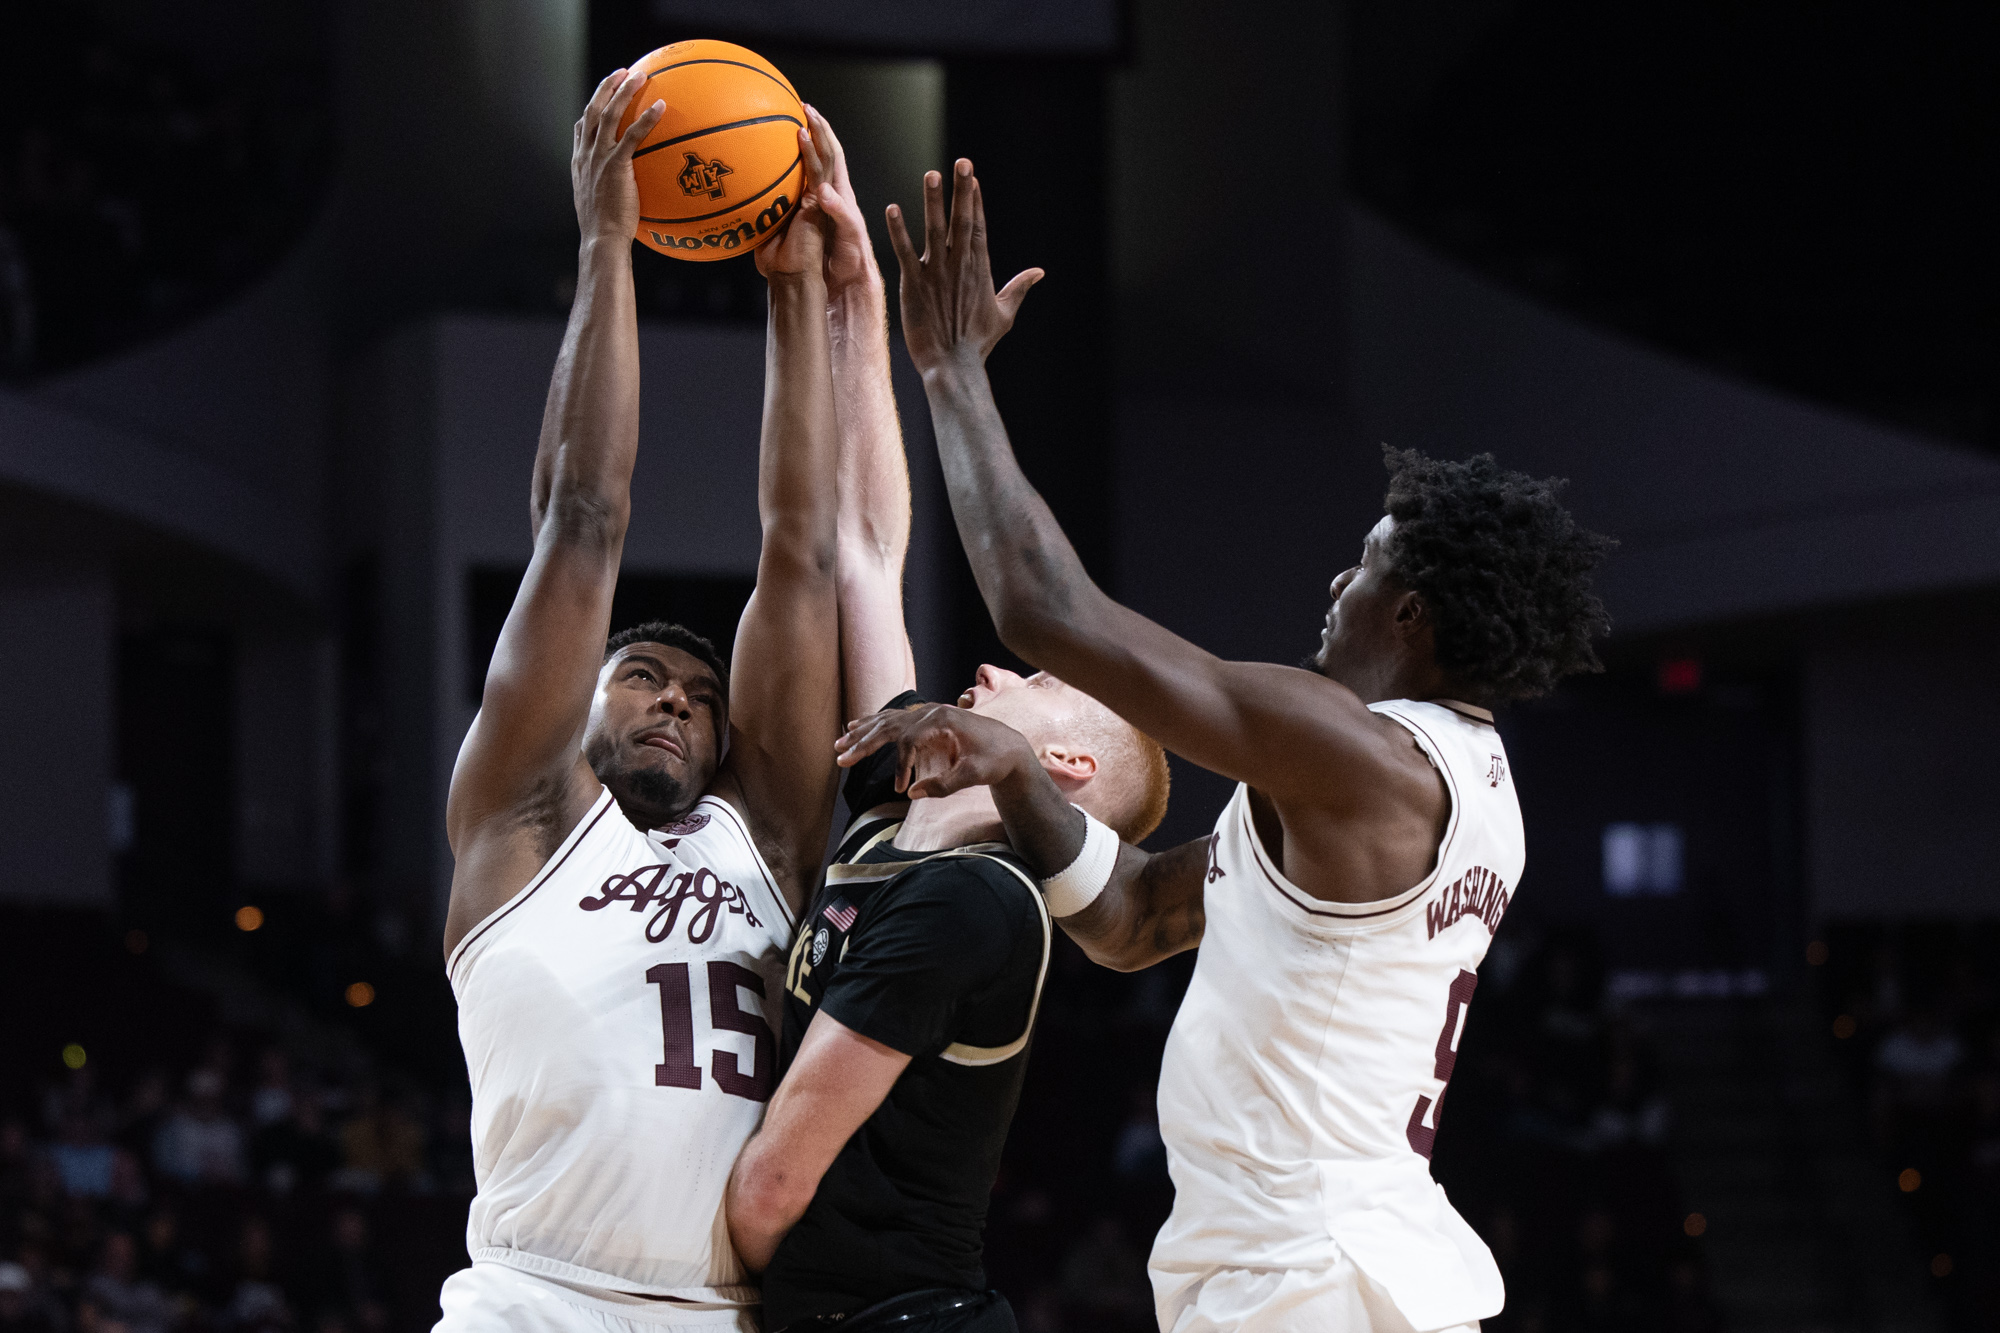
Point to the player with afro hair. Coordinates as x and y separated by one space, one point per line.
1504 568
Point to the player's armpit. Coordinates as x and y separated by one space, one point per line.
1150 911
834 1084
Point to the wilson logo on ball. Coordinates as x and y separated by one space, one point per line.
729 238
703 177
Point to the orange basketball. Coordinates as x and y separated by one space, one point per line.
721 170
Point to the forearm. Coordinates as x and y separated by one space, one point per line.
1027 571
873 528
762 1204
590 424
796 488
874 475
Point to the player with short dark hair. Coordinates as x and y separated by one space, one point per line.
915 977
1349 889
635 826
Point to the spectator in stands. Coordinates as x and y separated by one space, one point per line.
271 1100
121 1293
296 1152
198 1144
83 1159
257 1303
383 1143
22 1310
349 1280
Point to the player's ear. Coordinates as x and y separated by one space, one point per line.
1069 766
1411 614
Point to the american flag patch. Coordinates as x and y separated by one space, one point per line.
841 913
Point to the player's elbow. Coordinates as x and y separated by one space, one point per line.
582 519
764 1201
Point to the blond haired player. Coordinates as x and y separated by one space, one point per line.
635 826
912 987
1349 890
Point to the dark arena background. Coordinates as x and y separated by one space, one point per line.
280 287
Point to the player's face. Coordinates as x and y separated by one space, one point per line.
1031 705
655 730
1360 625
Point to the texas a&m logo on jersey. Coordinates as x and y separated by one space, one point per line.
710 896
701 176
1497 772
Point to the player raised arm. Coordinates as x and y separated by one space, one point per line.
784 696
874 523
521 782
1281 729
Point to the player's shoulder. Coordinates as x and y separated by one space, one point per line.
984 888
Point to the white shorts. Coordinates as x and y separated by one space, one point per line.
493 1298
1339 1299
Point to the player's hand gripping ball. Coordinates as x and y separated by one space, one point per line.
720 173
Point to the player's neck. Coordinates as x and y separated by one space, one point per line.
940 823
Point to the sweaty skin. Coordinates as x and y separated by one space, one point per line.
1342 798
557 724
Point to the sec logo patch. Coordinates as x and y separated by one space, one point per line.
820 942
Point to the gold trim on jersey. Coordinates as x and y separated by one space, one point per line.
959 1053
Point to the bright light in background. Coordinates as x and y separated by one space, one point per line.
249 918
360 995
1642 860
73 1056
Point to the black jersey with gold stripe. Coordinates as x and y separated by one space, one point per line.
942 956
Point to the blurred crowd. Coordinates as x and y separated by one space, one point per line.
238 1194
1915 1011
163 1170
135 190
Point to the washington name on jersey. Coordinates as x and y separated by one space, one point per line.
617 1016
1303 1080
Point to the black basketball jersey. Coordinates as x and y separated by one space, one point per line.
940 955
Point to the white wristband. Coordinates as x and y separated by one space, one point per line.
1078 884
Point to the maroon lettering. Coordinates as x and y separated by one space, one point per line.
710 893
677 1068
1423 1137
1477 893
726 1013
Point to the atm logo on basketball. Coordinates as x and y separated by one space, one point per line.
704 177
1478 892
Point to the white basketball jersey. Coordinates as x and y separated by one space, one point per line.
617 1017
1301 1086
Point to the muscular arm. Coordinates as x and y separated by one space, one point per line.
834 1084
520 782
874 521
1281 729
784 699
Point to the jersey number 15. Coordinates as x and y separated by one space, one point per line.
677 1068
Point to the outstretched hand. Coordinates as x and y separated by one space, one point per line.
950 309
939 749
850 258
602 186
799 248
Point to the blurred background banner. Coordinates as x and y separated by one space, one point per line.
279 295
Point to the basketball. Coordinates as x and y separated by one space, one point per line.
721 171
